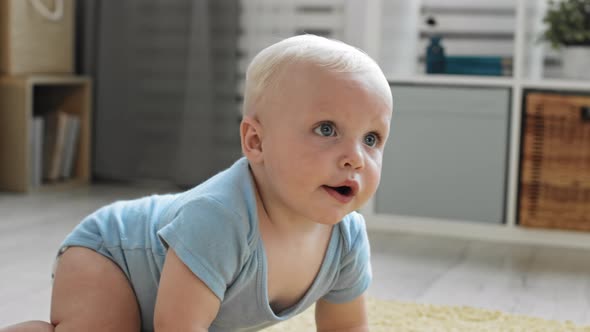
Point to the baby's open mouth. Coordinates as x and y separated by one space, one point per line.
342 190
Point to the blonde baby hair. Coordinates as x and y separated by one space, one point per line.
266 67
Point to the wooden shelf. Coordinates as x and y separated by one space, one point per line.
22 97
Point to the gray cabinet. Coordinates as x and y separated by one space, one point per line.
446 155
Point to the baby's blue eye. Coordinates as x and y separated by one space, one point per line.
325 129
371 140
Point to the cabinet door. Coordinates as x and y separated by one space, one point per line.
446 155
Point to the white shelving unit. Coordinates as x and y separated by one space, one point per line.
393 33
528 72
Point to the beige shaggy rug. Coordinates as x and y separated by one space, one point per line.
410 317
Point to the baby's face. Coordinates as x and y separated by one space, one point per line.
323 143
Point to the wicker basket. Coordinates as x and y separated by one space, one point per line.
555 162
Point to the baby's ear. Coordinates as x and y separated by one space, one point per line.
251 137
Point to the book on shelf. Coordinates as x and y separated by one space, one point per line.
36 150
60 145
70 145
53 144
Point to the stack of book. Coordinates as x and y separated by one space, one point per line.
54 143
478 65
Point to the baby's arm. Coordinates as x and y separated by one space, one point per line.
342 317
184 302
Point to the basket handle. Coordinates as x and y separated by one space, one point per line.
55 15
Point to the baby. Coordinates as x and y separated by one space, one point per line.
261 241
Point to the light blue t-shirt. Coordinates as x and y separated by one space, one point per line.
213 228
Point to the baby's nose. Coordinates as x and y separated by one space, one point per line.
353 157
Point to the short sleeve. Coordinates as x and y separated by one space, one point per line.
210 240
355 273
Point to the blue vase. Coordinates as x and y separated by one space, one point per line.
435 56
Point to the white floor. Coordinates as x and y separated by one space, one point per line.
544 282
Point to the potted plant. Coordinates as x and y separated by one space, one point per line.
568 27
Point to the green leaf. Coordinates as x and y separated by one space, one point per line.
567 22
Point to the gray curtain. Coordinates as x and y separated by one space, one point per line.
165 87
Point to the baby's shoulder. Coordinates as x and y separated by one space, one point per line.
228 193
221 206
214 214
207 207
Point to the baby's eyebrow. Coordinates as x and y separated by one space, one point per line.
324 108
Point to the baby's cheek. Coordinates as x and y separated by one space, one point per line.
374 178
375 163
